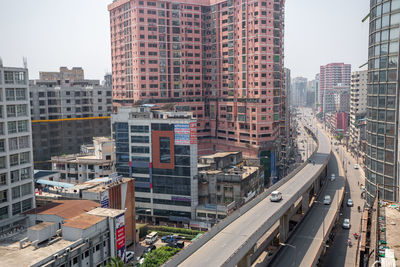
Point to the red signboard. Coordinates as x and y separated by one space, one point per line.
120 237
193 133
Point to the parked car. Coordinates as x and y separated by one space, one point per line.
327 200
346 224
130 255
350 202
276 196
333 177
150 249
356 166
169 239
180 244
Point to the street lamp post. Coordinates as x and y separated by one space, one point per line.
295 252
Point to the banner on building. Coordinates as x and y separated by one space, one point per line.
104 199
182 134
193 133
120 236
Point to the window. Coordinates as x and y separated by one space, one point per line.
24 157
20 94
21 110
139 129
3 179
26 189
3 163
10 94
3 213
14 160
26 205
25 173
16 208
3 196
139 139
140 149
15 192
11 111
23 142
165 150
22 126
2 145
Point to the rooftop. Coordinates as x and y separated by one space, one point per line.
12 255
106 212
65 208
83 221
42 173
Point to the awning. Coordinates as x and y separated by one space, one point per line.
54 183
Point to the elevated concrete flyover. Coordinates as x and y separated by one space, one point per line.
233 240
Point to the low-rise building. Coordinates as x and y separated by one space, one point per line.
94 161
337 122
226 180
66 233
111 192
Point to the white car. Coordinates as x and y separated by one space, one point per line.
350 202
276 196
327 200
356 166
346 224
130 255
333 177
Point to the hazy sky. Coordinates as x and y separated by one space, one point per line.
54 33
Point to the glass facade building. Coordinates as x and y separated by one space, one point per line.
382 158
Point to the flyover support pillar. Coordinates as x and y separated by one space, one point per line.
316 185
246 260
284 228
305 202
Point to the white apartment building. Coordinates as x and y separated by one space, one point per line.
358 105
16 163
95 161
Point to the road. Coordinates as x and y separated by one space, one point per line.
339 254
303 247
264 215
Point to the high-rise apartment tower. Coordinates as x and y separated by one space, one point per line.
221 60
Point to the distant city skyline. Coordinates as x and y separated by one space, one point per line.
57 33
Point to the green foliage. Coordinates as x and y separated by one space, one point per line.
142 228
166 230
116 262
159 256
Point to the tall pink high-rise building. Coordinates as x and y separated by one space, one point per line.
332 75
220 59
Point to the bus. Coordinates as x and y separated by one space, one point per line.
151 238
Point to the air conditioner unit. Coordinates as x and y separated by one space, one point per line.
67 250
55 256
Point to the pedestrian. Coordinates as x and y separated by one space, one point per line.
358 183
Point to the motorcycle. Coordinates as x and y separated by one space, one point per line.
356 235
349 243
359 209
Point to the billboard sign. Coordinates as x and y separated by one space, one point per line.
120 236
182 134
104 199
193 133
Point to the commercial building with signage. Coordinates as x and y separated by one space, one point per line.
66 233
159 149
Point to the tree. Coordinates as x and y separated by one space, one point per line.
159 256
116 262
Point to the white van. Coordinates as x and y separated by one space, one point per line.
276 196
151 238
